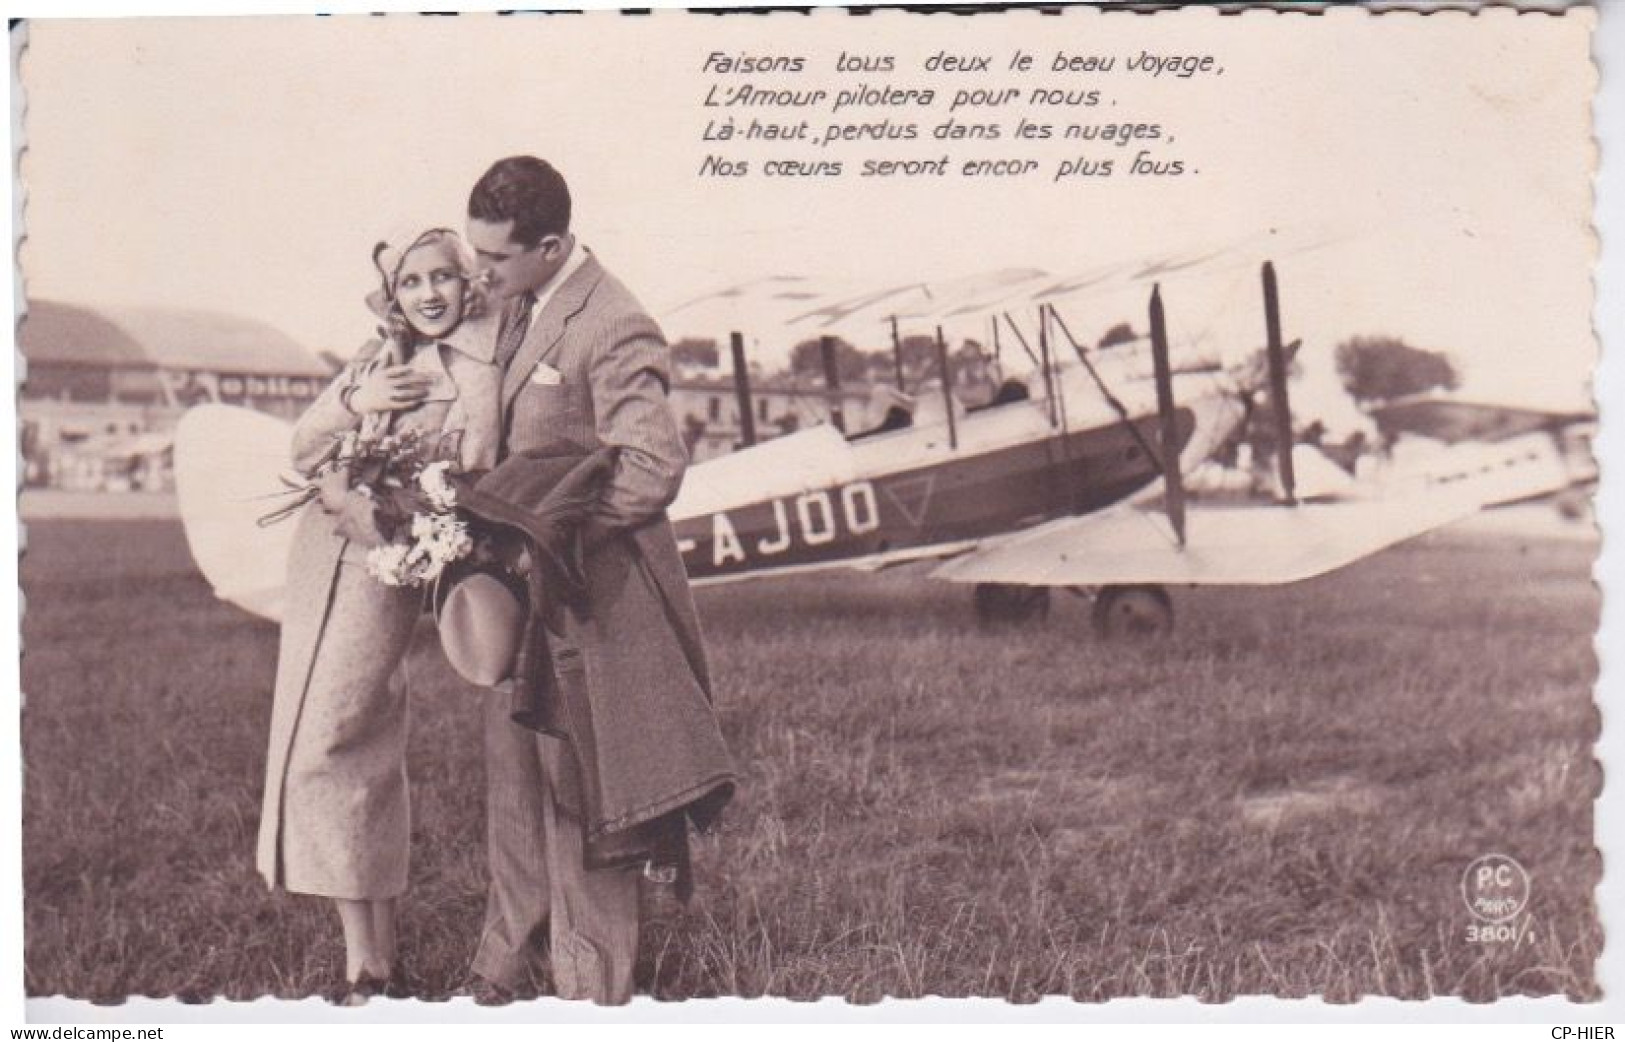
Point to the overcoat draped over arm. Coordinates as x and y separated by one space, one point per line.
645 734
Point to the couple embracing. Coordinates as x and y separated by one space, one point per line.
527 352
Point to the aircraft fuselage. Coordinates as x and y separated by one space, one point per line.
962 497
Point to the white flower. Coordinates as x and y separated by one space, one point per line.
437 540
388 564
451 539
432 479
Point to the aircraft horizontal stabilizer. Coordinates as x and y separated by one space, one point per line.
1232 546
1452 419
228 461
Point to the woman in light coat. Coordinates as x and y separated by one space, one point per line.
335 820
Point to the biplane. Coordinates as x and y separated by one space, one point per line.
1071 477
1076 482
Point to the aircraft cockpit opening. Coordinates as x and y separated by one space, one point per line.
888 410
1007 393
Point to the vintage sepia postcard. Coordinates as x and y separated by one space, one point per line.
876 504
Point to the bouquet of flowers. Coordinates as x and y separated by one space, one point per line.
392 493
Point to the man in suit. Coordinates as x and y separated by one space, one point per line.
585 367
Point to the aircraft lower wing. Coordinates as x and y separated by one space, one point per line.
1232 546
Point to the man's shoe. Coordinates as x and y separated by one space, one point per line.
398 986
489 993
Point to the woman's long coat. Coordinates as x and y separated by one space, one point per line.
335 817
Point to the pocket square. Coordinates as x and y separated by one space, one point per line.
546 375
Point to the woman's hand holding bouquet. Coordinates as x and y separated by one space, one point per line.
390 492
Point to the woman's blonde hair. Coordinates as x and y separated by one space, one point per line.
388 259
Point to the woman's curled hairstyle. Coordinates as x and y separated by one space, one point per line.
388 258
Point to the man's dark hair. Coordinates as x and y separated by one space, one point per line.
526 191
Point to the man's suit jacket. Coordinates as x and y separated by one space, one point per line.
594 371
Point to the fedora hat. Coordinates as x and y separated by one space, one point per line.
481 615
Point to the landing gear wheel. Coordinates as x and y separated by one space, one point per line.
1132 611
1008 603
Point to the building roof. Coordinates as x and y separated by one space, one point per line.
160 338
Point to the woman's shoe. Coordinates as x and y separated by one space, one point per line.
357 992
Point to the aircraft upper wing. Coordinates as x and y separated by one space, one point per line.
807 305
1233 546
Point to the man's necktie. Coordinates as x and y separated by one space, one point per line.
515 324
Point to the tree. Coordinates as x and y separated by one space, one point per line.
1122 333
1377 369
692 351
919 353
807 359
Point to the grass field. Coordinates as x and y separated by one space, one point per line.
1281 800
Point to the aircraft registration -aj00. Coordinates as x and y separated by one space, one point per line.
941 488
1048 485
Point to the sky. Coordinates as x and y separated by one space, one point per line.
1439 167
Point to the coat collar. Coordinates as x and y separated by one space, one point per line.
475 338
547 329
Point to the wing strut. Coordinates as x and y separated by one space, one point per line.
897 356
832 382
947 389
1173 482
1106 392
1053 354
1020 338
1049 375
747 419
1278 394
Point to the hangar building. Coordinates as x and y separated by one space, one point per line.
103 387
